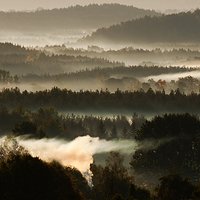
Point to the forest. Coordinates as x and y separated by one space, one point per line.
102 101
134 78
20 60
50 123
76 18
133 56
99 101
164 160
113 180
149 29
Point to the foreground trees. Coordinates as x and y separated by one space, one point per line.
173 147
169 144
176 188
115 182
25 177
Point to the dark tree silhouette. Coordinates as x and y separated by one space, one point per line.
25 177
176 188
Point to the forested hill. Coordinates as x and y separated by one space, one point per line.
78 17
20 60
182 27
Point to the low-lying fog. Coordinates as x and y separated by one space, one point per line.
80 151
42 39
171 81
174 76
37 86
72 38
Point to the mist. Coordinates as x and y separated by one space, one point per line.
77 153
42 39
174 76
99 99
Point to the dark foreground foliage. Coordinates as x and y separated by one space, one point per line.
25 177
175 147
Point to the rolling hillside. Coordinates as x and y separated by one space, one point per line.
78 17
175 28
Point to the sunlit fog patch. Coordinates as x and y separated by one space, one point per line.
79 152
76 153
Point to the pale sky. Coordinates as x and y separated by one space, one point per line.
151 4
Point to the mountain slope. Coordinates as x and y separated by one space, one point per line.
78 17
182 27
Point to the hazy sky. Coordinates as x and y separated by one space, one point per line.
152 4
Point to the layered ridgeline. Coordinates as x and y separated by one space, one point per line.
179 28
20 60
78 17
134 56
133 78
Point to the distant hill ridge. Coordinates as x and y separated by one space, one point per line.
77 17
181 27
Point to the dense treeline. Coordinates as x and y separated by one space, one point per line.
102 101
20 180
49 123
185 28
6 77
77 17
11 49
177 151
